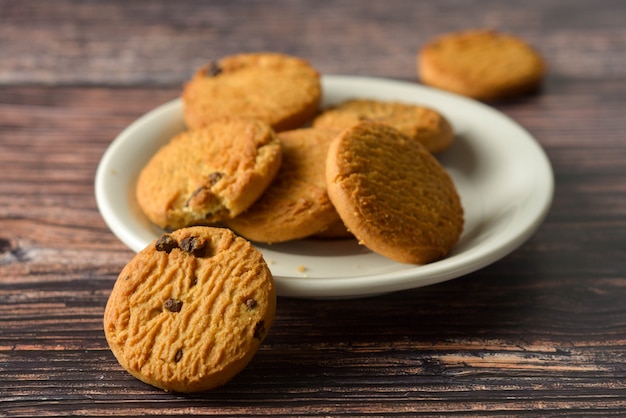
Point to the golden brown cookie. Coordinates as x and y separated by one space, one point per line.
392 194
482 64
279 89
296 204
424 124
189 312
209 174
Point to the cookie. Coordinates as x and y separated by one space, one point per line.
296 204
393 194
207 175
281 90
190 311
424 124
482 64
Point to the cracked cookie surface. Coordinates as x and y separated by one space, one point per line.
207 175
189 312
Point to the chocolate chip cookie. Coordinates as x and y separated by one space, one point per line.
190 311
206 175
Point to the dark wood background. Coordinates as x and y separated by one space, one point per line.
541 331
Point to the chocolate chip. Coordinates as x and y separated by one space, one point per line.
194 194
193 246
251 304
214 177
166 243
173 305
178 355
212 69
259 330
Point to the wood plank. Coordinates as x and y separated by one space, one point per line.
541 331
155 43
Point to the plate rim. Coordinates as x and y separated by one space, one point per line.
363 285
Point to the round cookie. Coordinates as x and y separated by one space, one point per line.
296 204
279 89
419 122
207 175
482 64
189 312
392 194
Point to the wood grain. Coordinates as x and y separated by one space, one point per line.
543 331
115 42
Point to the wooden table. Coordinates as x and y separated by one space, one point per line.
542 330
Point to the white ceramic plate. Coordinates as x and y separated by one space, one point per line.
502 174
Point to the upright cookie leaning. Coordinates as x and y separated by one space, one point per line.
281 90
189 311
392 194
482 64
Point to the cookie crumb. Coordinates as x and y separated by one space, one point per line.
173 305
302 269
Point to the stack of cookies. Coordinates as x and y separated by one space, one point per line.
261 158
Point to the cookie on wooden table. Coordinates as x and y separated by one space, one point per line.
482 64
393 194
190 311
207 175
296 204
422 123
279 89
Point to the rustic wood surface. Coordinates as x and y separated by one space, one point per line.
541 331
